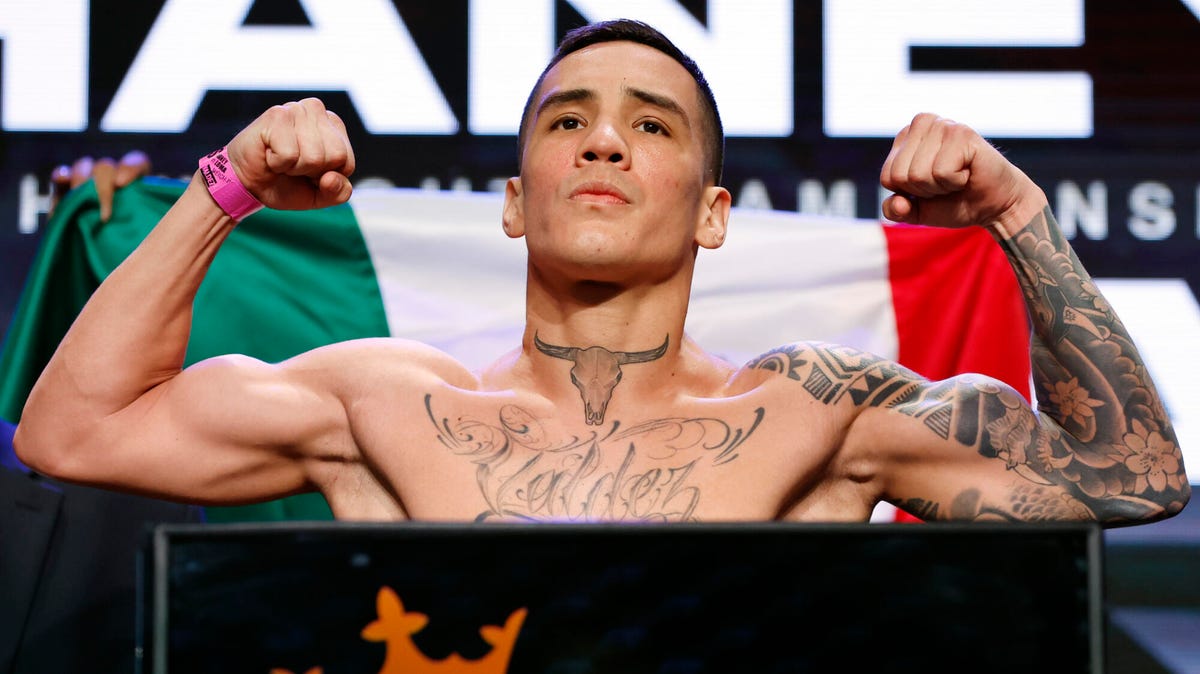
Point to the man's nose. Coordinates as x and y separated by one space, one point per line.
603 142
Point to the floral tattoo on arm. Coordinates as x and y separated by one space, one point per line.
1102 446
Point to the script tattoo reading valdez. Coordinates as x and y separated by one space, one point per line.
524 473
1102 433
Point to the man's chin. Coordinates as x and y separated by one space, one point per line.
591 268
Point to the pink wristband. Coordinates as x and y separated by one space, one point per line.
223 184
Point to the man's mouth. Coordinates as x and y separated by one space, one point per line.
599 193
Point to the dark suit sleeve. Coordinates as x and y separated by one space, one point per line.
29 510
69 558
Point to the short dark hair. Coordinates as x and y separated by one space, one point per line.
629 30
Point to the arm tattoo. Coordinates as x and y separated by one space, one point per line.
1102 432
640 473
919 507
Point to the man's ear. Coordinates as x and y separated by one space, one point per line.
714 217
513 215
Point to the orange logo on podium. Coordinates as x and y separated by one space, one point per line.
395 628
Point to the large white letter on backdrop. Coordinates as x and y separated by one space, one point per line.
745 52
361 47
870 89
45 60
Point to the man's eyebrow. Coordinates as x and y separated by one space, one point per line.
565 96
659 101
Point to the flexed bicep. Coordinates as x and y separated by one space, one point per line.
979 451
226 430
971 448
1102 435
115 394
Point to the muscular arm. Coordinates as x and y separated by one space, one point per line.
970 447
1100 447
1103 431
113 406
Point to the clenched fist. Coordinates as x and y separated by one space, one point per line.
295 156
946 175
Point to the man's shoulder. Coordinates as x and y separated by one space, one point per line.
394 359
828 374
789 359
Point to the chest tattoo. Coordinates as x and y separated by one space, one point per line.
643 472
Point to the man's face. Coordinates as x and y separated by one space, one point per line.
613 182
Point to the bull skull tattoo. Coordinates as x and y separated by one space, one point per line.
597 371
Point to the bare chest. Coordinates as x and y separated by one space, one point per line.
467 456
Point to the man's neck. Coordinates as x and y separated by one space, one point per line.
588 313
609 334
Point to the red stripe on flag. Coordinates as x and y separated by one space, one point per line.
958 306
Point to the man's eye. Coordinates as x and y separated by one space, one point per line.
567 123
652 127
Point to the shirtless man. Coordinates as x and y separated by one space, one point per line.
607 410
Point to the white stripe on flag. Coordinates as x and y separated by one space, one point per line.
451 278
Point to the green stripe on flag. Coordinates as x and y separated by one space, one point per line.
283 283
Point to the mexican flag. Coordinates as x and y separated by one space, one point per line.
436 267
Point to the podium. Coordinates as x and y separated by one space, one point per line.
765 597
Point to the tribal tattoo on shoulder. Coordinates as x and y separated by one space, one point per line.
1102 433
642 473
